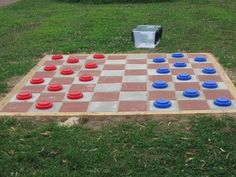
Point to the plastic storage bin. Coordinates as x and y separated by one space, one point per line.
147 36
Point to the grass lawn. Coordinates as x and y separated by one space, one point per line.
30 28
205 147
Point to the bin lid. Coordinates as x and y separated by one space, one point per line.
147 28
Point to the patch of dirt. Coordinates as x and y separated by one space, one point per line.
6 2
10 85
114 121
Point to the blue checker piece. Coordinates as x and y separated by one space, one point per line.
191 93
222 101
180 64
183 76
162 103
177 55
209 70
200 59
210 84
160 84
159 59
163 70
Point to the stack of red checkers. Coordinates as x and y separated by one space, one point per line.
50 67
73 59
74 95
55 87
57 56
91 65
86 77
44 104
24 95
98 55
67 71
37 80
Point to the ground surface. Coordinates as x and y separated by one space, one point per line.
30 28
6 2
204 147
121 83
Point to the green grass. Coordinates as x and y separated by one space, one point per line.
28 29
205 147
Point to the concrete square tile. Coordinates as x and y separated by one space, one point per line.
92 72
213 94
115 62
180 86
201 65
114 67
116 57
131 96
109 106
185 105
74 107
136 66
209 77
132 106
44 74
63 81
137 56
82 88
17 107
167 78
153 95
110 79
112 73
53 97
105 96
157 65
175 71
115 87
135 79
137 61
33 88
135 72
134 86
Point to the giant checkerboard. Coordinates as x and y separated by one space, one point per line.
122 84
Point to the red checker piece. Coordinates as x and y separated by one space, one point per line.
24 95
50 67
67 71
44 104
91 65
37 80
98 55
73 59
86 77
57 56
55 87
74 95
